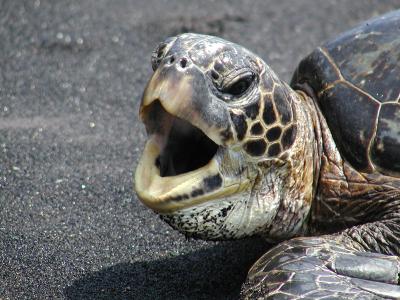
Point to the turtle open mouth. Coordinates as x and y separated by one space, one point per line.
183 147
185 161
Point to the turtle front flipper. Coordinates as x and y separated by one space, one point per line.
320 267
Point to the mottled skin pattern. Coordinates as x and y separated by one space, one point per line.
316 164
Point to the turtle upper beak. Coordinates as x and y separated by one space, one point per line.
183 92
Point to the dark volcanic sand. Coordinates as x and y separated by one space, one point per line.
72 73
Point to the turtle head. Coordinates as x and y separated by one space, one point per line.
220 126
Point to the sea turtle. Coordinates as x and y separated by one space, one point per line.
233 151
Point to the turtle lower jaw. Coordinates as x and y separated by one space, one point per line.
168 194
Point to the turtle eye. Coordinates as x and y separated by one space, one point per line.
239 85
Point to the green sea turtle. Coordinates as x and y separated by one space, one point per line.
233 151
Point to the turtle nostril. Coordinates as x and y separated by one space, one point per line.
183 62
171 60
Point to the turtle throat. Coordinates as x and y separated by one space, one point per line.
183 147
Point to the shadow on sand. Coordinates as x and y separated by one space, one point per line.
212 273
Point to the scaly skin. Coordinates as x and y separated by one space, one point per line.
360 262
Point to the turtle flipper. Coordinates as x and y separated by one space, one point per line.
318 267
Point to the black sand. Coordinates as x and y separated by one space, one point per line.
71 77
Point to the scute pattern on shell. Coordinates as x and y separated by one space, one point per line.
356 79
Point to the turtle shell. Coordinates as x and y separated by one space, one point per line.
356 80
